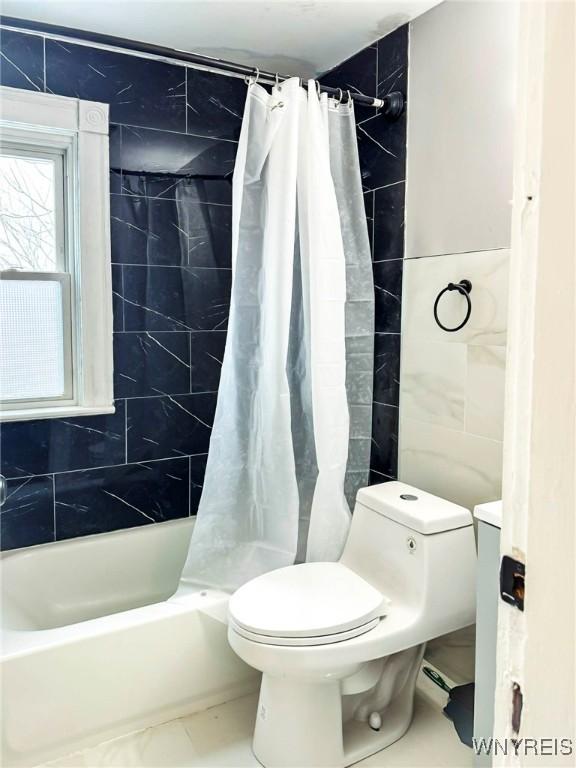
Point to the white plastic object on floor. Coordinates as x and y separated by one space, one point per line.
427 572
375 721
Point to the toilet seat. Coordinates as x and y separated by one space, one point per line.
337 637
307 604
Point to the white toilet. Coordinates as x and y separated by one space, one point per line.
340 644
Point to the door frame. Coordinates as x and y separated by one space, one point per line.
535 696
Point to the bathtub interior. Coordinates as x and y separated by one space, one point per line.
100 639
58 584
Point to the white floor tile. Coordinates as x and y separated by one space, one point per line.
221 738
164 746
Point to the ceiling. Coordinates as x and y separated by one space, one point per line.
294 37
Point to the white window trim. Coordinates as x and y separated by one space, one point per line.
85 124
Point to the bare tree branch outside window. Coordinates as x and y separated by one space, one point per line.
27 216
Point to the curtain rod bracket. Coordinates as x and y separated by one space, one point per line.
392 105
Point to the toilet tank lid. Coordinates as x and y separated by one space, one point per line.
418 510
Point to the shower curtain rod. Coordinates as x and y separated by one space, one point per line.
392 105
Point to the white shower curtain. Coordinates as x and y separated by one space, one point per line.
274 482
324 274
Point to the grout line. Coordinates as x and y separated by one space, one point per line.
455 253
381 474
371 212
385 186
466 385
170 394
376 76
190 362
189 267
121 160
109 466
172 199
456 431
214 330
44 55
373 225
54 504
125 430
136 128
209 330
123 293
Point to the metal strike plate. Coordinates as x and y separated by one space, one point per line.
512 575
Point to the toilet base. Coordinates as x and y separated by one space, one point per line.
361 741
299 723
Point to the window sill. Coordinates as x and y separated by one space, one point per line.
66 411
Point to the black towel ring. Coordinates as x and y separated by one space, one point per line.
463 287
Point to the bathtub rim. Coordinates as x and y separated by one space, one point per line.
15 642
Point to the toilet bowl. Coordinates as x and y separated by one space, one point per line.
339 642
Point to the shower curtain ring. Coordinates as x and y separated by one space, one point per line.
340 96
349 98
277 79
318 88
253 78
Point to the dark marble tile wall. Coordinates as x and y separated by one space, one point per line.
173 140
172 148
378 70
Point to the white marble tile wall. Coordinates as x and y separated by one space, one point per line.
459 186
452 384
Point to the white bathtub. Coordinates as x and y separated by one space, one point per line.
96 644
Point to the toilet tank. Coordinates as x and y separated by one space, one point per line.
417 549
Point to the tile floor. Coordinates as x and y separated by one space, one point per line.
453 654
220 738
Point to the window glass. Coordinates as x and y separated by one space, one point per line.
28 214
32 346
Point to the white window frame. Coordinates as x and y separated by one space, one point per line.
79 131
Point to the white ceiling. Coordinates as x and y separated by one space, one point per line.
296 37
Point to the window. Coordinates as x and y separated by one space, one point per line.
55 287
35 301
